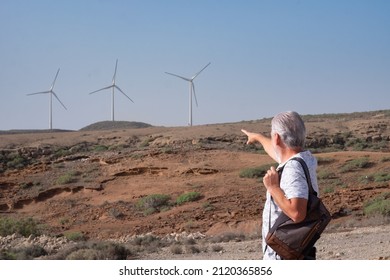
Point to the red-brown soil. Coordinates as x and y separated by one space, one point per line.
109 171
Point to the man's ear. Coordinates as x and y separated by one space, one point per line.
277 139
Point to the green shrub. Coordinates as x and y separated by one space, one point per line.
336 183
376 177
366 179
176 249
115 213
148 243
207 206
84 254
255 172
153 200
385 159
153 203
97 250
111 250
35 251
16 161
379 205
75 236
63 221
24 227
325 174
217 248
150 211
100 148
62 152
326 160
354 164
146 240
25 185
24 253
329 189
146 142
8 255
68 178
357 144
188 197
381 177
380 146
192 249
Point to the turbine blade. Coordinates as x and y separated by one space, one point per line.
52 85
200 71
41 92
113 78
123 93
184 78
55 95
101 89
193 90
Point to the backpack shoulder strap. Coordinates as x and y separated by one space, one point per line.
307 174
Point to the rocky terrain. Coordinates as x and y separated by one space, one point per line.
117 183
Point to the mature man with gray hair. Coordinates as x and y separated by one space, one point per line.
288 194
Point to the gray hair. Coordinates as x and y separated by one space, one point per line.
291 128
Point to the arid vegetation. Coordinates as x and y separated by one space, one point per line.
124 192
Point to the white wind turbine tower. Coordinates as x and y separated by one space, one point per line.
113 86
192 90
52 93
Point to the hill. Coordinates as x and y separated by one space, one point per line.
108 125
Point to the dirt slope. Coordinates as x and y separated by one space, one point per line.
92 181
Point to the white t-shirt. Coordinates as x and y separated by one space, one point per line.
294 185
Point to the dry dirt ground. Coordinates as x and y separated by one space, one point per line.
92 182
358 243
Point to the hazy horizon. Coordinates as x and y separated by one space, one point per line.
179 126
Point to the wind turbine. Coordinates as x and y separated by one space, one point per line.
52 93
113 86
192 90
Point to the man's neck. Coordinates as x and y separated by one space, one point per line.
289 153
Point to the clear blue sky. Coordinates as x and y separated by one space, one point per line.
266 57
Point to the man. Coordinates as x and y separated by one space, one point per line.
290 194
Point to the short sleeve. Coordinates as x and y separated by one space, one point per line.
293 181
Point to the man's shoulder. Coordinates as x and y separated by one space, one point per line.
294 168
308 157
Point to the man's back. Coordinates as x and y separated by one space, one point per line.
293 183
